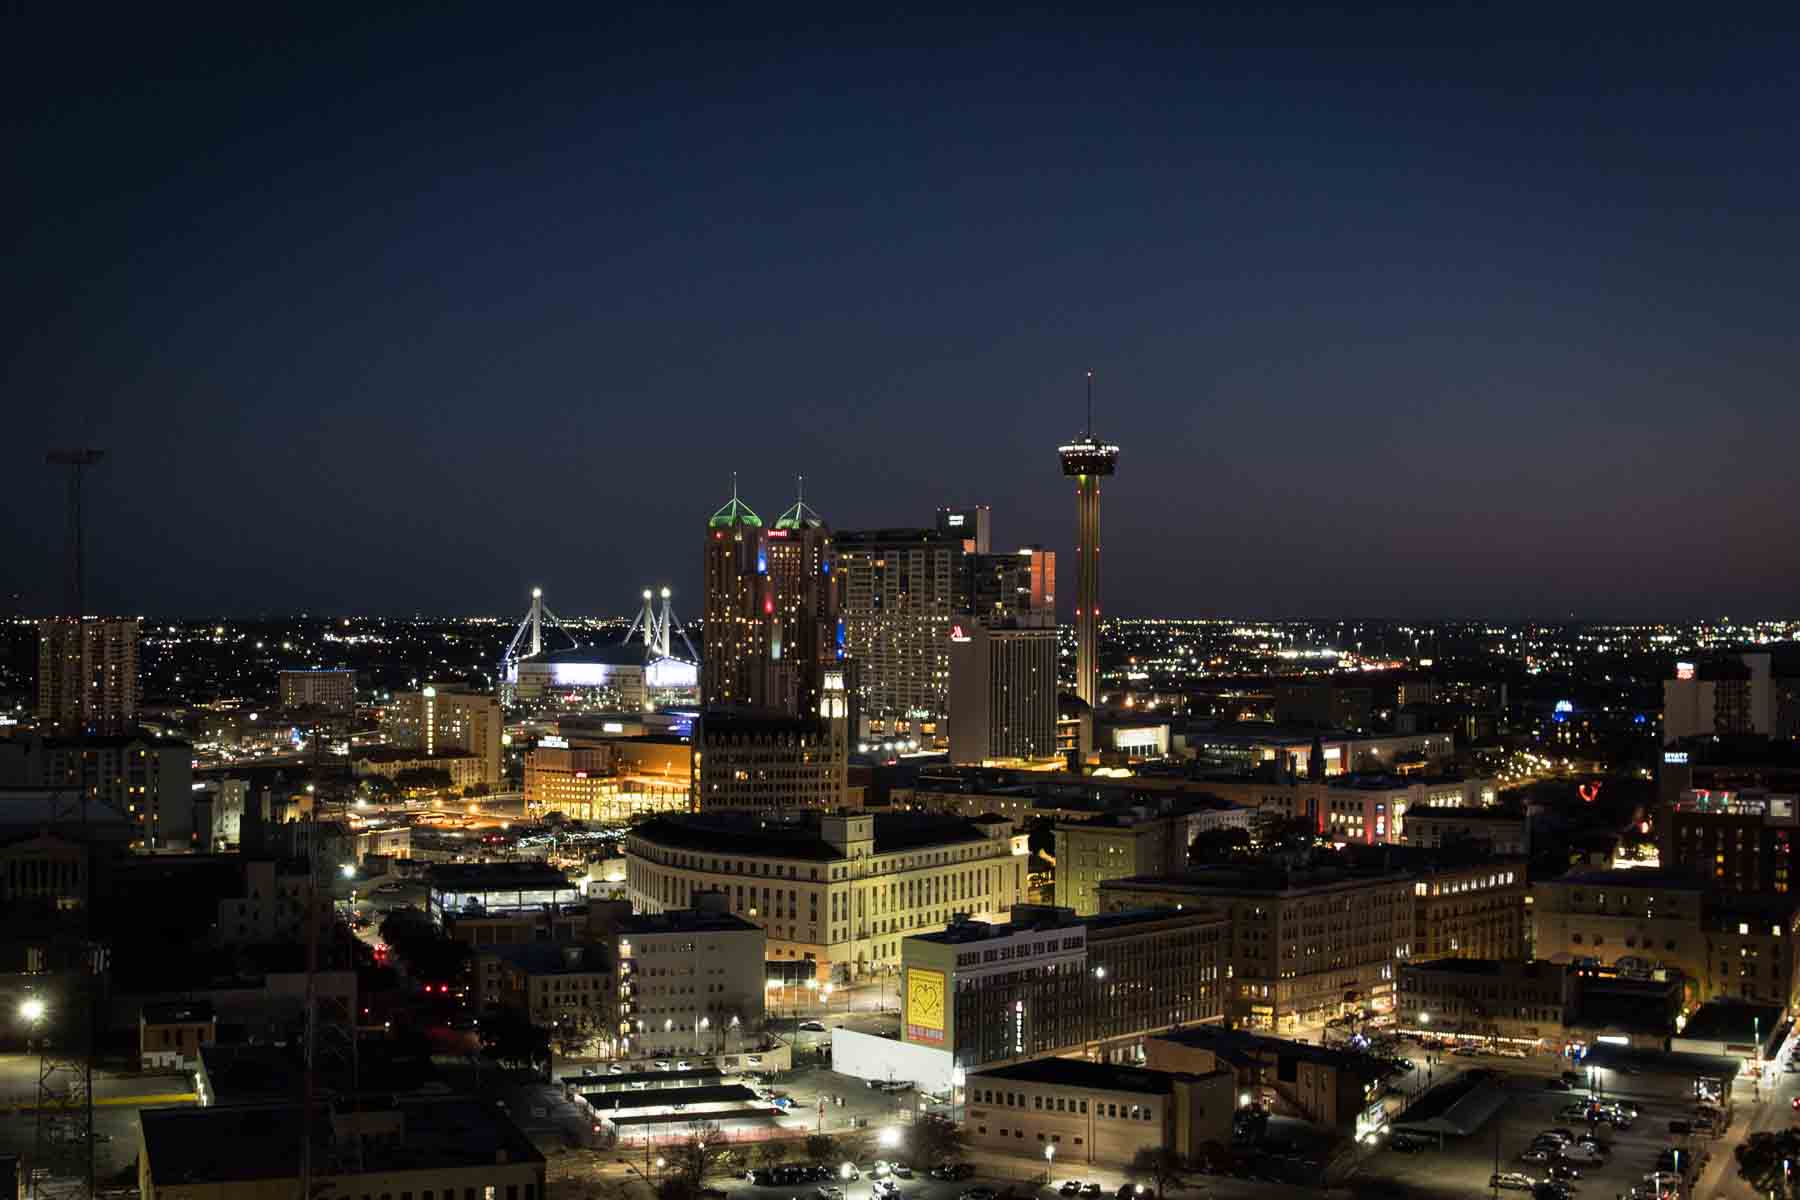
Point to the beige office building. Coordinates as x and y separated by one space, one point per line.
1732 946
1305 948
1117 845
1064 1110
840 889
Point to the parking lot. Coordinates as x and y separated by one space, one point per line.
1464 1167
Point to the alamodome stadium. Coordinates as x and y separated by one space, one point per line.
639 674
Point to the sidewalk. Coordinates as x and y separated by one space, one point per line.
1719 1178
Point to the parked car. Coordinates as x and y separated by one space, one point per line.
1557 1085
1564 1172
1128 1191
1404 1144
1516 1181
829 1192
1537 1154
885 1189
901 1171
812 1027
977 1193
1090 1189
1071 1188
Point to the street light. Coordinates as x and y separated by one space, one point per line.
1049 1162
31 1009
890 1137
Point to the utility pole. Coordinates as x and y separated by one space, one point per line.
77 461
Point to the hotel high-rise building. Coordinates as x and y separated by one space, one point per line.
772 623
971 525
1021 583
902 588
1002 690
1087 460
87 675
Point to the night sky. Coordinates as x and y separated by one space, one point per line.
1413 314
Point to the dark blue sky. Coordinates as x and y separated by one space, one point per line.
1441 313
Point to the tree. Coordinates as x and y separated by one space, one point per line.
822 1147
1159 1164
771 1153
1218 846
933 1140
702 1152
507 1037
1271 830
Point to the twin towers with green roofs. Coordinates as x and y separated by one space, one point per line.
773 627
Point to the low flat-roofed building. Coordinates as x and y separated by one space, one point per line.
170 1035
473 889
1087 1112
1727 1028
449 1148
1336 1089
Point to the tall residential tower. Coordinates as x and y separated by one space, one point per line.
1087 460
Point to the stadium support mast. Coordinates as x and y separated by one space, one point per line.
77 461
528 640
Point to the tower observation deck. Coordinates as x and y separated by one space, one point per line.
1087 460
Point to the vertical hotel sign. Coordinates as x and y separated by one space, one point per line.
924 1006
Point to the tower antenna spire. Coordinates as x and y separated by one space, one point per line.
1090 399
800 489
734 485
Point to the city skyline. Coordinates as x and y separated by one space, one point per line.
1397 314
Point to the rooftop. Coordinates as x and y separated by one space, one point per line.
748 722
477 877
181 1013
551 958
1649 878
387 754
746 832
1487 968
735 512
1239 1047
1728 1021
1254 879
242 1143
1079 1073
1458 1107
685 920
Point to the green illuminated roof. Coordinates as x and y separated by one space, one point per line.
735 512
801 516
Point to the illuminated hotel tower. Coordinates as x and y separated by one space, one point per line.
1087 459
